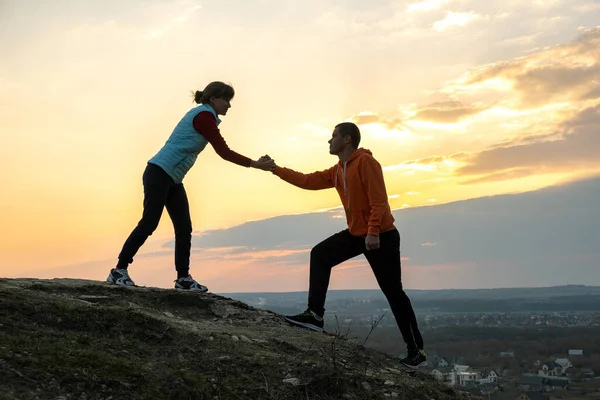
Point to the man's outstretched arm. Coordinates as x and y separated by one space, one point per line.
314 181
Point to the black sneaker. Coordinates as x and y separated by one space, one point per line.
308 319
120 277
188 283
415 359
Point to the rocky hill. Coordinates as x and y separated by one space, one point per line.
66 339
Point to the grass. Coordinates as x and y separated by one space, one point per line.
98 342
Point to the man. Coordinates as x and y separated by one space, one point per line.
358 178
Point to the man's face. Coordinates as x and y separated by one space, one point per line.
337 143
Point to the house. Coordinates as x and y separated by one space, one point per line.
461 368
490 376
575 352
564 364
550 368
465 376
441 362
533 396
468 378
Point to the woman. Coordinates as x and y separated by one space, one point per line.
163 185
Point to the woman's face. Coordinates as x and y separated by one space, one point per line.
220 105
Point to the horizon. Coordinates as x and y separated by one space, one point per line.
499 98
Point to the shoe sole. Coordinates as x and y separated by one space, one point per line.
305 325
421 364
191 290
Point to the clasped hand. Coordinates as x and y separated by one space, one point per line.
265 163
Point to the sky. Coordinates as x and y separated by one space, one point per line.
456 99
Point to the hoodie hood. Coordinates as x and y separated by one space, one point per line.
357 153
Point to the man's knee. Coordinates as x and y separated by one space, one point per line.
318 252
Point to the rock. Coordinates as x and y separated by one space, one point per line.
366 386
394 394
168 314
245 339
389 383
292 381
223 310
235 338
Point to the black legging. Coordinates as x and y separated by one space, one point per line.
385 263
161 191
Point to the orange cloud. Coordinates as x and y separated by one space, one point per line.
371 118
447 112
568 72
577 148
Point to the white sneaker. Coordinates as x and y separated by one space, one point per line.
188 283
120 277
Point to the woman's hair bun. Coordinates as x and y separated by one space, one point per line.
198 96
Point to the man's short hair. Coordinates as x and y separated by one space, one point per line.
350 129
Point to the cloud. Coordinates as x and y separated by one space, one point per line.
365 118
426 5
542 227
174 14
548 103
446 112
430 162
547 3
502 176
577 148
568 72
455 19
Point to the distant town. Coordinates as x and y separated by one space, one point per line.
501 344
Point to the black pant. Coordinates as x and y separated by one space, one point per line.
385 263
159 191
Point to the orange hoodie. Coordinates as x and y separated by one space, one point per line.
361 188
